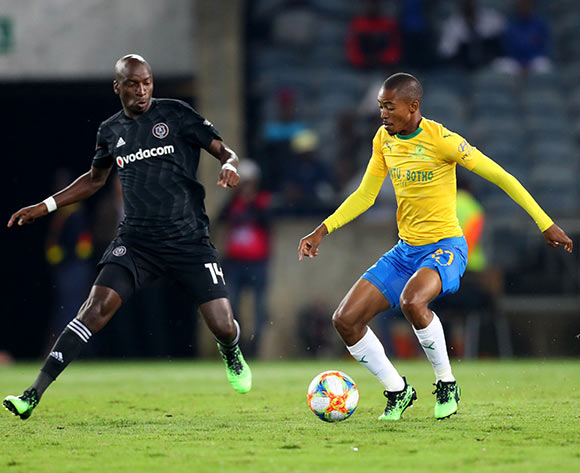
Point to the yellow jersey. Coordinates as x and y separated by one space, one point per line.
422 169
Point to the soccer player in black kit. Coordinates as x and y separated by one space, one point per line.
155 145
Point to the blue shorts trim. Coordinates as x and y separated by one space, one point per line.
392 271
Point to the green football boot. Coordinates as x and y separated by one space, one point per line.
237 370
447 398
398 401
22 405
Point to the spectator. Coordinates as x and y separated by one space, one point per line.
526 42
307 185
373 39
471 38
294 24
276 137
288 23
471 218
285 127
416 33
247 248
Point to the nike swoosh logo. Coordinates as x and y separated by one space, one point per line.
429 347
362 360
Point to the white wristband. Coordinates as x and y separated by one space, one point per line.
50 204
229 166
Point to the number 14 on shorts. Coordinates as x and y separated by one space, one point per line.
215 271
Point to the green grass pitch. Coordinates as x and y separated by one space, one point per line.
182 416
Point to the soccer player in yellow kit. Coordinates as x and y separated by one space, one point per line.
420 156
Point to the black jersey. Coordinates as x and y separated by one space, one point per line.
157 157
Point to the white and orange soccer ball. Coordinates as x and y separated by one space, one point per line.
332 396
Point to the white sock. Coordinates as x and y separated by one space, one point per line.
432 340
370 352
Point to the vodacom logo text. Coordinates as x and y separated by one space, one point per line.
144 154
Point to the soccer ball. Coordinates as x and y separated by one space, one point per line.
332 396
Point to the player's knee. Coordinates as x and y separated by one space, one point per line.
411 306
342 320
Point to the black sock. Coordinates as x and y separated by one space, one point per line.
68 347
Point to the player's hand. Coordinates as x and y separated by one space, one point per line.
28 214
309 244
228 176
555 237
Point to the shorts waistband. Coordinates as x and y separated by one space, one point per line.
445 241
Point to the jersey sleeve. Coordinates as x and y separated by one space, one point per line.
197 129
455 148
103 157
493 172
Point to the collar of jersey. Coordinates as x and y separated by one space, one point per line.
411 135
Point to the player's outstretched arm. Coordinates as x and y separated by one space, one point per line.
493 172
556 237
83 187
309 244
228 176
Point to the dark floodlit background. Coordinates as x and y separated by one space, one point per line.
292 85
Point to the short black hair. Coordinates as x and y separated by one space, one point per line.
406 84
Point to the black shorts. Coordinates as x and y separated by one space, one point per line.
198 272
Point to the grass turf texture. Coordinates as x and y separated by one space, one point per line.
520 416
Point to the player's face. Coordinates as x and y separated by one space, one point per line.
135 89
396 112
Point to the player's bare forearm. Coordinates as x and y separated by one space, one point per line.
83 187
223 153
308 245
228 176
556 237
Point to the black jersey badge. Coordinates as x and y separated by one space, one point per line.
160 130
120 251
